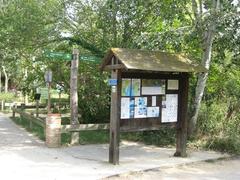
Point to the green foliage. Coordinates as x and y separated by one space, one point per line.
88 137
219 131
162 137
29 27
93 94
7 97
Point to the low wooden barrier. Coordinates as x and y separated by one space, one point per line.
83 127
29 117
64 128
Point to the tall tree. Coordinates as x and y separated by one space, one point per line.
208 15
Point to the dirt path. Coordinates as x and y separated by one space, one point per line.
23 156
221 169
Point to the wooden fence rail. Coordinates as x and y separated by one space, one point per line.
84 127
29 117
56 138
64 128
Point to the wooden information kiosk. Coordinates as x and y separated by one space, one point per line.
149 90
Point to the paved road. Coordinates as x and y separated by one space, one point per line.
23 156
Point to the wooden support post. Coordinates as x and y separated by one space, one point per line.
74 95
22 107
182 123
115 119
30 121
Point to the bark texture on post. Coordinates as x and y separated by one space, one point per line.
74 95
115 119
182 126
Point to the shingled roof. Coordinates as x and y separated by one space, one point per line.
133 59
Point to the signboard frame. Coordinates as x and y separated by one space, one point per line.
153 123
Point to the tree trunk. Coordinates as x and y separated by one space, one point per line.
25 94
5 86
6 79
1 89
0 81
115 24
202 78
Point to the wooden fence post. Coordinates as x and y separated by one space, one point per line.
13 111
23 107
183 123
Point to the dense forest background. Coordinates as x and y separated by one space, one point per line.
207 31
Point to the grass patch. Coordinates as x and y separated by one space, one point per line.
36 130
88 137
165 137
229 145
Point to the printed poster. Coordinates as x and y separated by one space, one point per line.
153 112
172 85
126 87
135 89
131 87
154 100
153 86
125 108
170 108
132 107
140 107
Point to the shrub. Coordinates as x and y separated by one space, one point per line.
222 133
8 97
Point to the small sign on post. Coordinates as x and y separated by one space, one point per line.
112 82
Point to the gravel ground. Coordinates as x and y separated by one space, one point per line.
219 169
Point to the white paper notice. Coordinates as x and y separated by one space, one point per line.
153 86
153 112
125 108
154 100
169 113
172 85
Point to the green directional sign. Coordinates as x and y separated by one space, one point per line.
58 55
89 58
68 57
